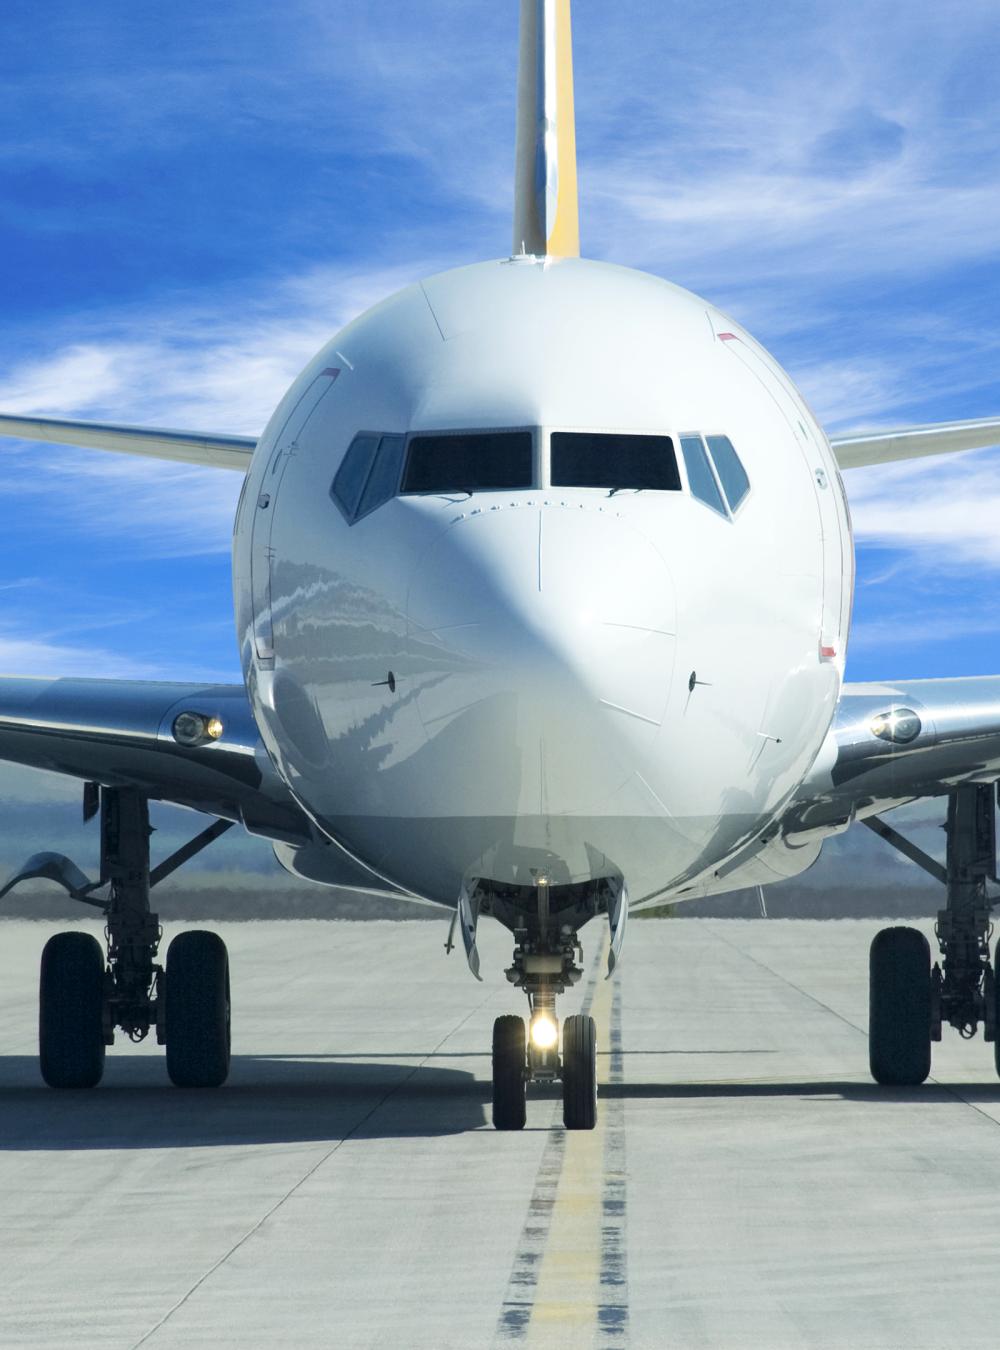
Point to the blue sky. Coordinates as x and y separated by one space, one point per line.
193 198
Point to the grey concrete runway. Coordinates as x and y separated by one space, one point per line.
747 1186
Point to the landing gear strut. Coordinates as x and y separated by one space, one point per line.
85 993
909 1000
544 920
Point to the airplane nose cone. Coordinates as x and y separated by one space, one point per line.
547 632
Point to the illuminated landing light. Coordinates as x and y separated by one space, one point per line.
192 728
899 726
544 1031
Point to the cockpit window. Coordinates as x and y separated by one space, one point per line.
700 475
612 460
383 480
478 461
353 473
732 475
369 474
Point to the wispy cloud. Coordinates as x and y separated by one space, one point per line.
218 362
21 655
942 512
190 367
831 182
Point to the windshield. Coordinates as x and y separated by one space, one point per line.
613 460
477 461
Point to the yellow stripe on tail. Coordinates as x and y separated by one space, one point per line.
546 209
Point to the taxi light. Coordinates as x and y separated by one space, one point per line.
544 1032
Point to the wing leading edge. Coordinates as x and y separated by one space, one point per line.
941 438
892 743
190 447
120 733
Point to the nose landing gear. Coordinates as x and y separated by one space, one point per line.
544 968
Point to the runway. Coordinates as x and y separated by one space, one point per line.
747 1185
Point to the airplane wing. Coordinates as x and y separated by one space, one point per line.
121 733
895 742
942 438
190 447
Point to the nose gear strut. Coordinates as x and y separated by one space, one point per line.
545 921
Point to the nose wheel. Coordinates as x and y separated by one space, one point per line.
518 1060
579 1073
509 1073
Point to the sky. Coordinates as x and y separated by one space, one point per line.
194 198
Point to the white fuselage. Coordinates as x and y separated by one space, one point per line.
549 680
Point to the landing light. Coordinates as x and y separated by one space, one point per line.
899 725
544 1031
192 728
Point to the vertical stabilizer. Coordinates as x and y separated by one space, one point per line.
546 214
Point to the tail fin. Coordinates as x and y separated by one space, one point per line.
546 211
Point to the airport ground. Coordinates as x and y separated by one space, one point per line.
747 1185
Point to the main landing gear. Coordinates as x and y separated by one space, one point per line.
87 991
545 920
909 1000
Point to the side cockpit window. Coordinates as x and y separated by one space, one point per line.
700 476
383 480
369 474
732 475
716 475
480 461
611 460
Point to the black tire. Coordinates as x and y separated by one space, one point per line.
197 1012
579 1073
70 1011
996 1005
509 1057
899 1015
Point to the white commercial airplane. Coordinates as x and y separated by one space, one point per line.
543 573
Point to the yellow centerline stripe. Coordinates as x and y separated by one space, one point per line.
568 1291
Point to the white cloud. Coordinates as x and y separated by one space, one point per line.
190 368
788 168
33 656
919 630
942 512
221 363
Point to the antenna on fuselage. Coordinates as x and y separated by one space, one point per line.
546 209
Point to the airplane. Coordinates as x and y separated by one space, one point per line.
543 573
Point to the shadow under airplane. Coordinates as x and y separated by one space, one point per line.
303 1098
268 1099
